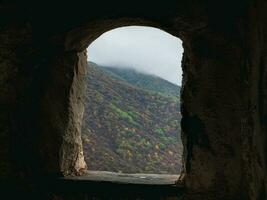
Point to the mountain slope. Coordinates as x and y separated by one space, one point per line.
141 80
127 128
144 81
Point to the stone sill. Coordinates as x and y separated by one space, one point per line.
123 178
107 184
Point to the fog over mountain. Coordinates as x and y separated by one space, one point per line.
146 49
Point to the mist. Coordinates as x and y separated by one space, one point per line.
145 49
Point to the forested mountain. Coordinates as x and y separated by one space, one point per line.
131 123
144 81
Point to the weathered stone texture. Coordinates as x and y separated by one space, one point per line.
61 114
254 94
42 62
11 84
210 107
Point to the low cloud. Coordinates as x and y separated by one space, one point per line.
148 50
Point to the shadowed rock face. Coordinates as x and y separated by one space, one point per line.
223 96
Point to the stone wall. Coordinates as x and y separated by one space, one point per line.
42 62
13 86
254 33
212 108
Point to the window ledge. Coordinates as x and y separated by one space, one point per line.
123 178
101 183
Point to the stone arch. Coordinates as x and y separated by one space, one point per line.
205 152
223 89
77 40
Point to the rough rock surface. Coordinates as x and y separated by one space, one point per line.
223 95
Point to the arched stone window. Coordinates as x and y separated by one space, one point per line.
132 114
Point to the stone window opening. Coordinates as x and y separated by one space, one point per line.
91 149
223 96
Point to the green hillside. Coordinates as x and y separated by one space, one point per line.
129 127
144 81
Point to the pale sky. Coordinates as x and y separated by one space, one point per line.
146 49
